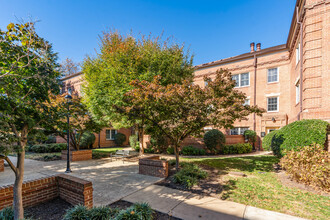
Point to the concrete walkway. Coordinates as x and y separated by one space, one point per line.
186 205
111 180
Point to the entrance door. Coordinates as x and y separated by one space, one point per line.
270 129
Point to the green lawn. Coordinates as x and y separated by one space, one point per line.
263 189
106 150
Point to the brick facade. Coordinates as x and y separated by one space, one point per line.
153 166
72 189
2 165
77 155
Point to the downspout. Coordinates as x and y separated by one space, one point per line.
255 94
99 139
301 63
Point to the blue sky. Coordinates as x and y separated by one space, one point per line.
211 29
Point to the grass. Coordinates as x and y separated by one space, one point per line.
106 150
263 189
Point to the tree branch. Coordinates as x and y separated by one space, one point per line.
12 166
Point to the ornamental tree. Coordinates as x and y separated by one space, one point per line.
28 73
180 110
123 59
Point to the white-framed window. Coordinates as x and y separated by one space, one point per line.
298 92
238 130
242 79
272 75
272 104
246 102
298 53
110 134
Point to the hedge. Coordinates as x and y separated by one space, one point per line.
267 140
214 139
237 149
298 134
119 139
47 148
192 151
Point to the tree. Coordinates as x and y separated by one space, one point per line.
81 121
181 110
68 67
28 73
123 59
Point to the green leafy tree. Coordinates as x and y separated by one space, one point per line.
123 59
180 110
27 76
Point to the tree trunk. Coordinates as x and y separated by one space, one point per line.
176 152
141 134
19 175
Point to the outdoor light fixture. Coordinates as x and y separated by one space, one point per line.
68 169
273 119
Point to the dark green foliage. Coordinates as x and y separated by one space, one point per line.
7 214
120 138
144 210
102 213
170 150
237 149
190 150
47 148
299 134
128 214
267 140
97 155
78 212
87 140
134 142
214 139
52 157
158 143
251 136
189 175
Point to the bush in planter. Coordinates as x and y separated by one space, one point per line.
190 150
267 140
237 149
119 138
87 140
134 142
298 134
311 166
214 139
251 136
7 213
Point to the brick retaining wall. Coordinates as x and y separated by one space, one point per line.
41 190
78 155
2 165
153 166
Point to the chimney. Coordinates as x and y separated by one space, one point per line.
258 46
252 47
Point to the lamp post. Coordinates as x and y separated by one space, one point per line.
68 169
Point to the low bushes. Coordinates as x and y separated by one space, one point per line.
189 175
87 140
310 165
298 134
192 151
119 139
7 213
47 148
134 142
214 139
137 211
99 155
237 149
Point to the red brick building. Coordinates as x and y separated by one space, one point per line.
291 81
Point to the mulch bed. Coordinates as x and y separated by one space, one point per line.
51 210
157 215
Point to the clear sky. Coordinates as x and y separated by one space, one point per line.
211 29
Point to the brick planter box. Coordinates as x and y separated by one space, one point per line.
153 166
71 189
2 165
77 155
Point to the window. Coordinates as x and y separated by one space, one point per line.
297 92
297 53
70 90
206 83
110 134
238 130
241 79
246 102
272 104
272 75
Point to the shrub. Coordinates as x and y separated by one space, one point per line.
311 166
267 140
298 134
47 148
119 138
144 210
170 150
87 140
189 175
149 150
78 212
214 139
237 149
190 150
98 155
7 214
134 143
251 136
128 214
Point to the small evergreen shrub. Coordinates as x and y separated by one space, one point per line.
189 175
310 165
102 213
170 150
267 140
144 210
7 214
192 151
47 148
78 212
237 149
134 143
214 139
251 136
120 138
298 134
87 140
